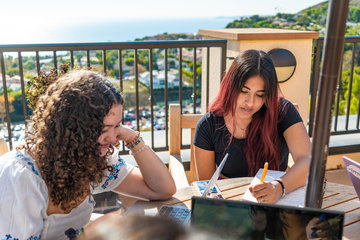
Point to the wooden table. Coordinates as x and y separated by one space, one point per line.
336 197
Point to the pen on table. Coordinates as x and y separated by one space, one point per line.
266 165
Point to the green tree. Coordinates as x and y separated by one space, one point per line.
354 14
111 58
12 71
78 55
129 61
18 113
345 94
29 64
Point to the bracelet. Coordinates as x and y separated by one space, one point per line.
134 142
139 151
282 186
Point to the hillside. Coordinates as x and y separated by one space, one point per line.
169 36
312 18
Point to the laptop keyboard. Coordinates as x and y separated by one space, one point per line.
180 214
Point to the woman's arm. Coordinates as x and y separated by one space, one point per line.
151 180
299 145
204 163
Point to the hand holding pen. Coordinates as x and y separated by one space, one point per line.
266 166
264 191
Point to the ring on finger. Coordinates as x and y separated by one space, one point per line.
262 198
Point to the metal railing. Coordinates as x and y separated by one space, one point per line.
346 112
177 49
345 122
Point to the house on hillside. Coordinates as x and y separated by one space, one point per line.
159 78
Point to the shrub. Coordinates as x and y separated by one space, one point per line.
38 84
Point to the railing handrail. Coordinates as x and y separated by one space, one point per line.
348 39
109 45
148 45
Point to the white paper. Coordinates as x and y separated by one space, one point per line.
151 211
294 198
95 216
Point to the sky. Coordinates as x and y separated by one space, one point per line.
109 9
19 18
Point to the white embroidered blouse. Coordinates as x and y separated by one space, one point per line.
24 199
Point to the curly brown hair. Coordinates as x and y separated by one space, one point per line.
66 125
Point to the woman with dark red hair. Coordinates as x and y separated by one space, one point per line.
248 120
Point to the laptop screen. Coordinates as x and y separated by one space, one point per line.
353 169
231 219
215 176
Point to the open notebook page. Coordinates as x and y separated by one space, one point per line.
294 198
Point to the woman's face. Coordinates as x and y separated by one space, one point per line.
251 98
110 131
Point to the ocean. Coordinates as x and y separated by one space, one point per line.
124 30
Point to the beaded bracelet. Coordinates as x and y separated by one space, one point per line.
131 144
135 143
139 151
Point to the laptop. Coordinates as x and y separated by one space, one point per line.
353 170
214 178
230 219
181 213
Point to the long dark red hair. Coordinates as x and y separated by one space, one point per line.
262 143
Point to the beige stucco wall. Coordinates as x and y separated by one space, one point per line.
335 161
214 75
296 89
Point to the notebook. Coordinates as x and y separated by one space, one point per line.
181 213
295 198
230 219
353 169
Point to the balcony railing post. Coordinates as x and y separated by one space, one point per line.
223 60
3 70
22 82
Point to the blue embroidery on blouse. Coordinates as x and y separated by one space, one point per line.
28 161
114 174
121 163
9 237
33 238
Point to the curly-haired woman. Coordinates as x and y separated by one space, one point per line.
254 125
46 187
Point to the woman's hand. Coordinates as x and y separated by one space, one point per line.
267 192
322 228
125 134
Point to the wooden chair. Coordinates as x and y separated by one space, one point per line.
3 147
178 121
